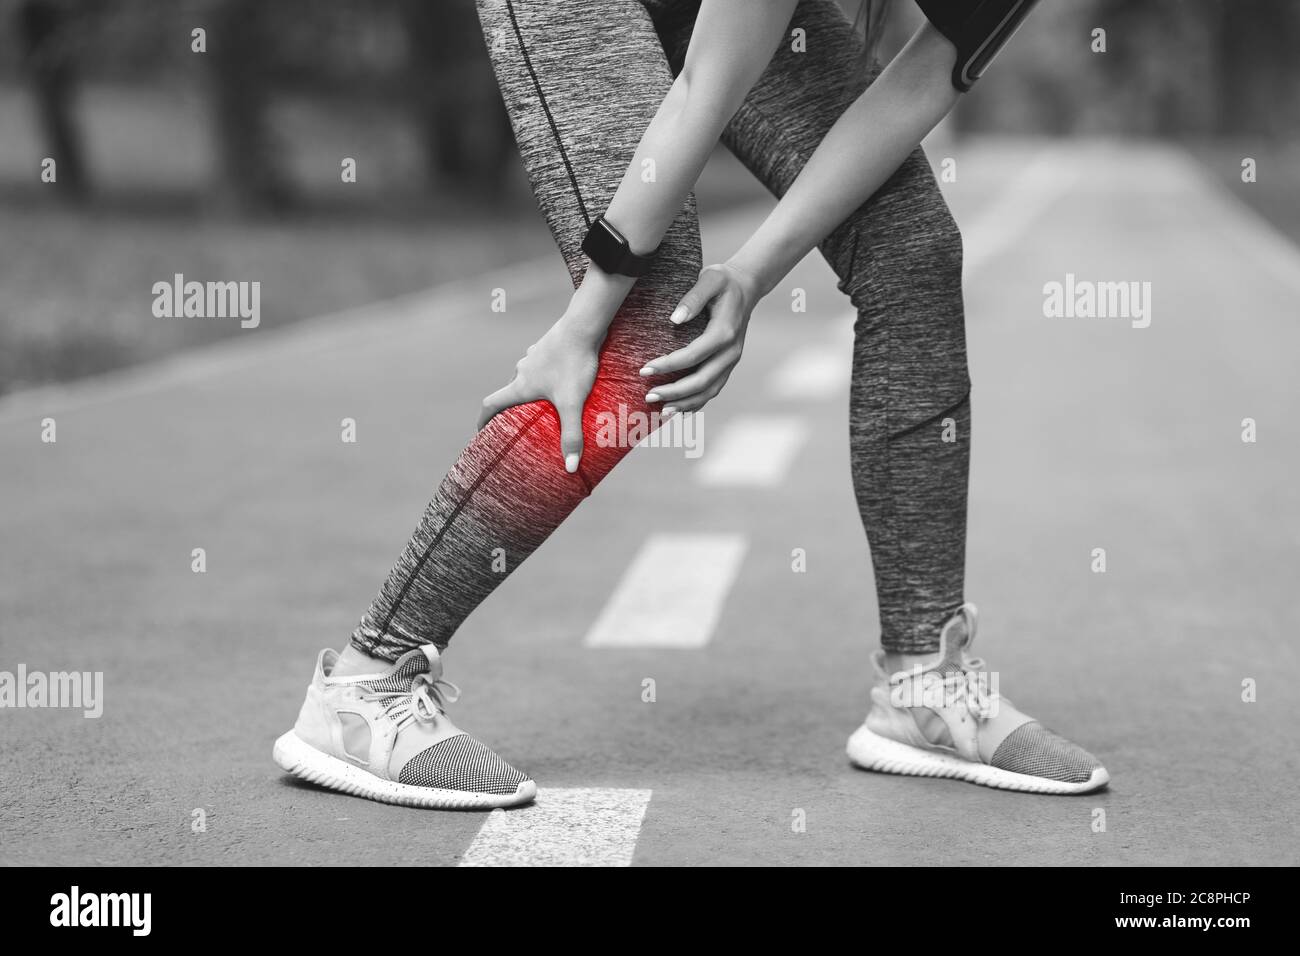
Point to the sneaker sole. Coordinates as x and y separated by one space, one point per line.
301 759
870 751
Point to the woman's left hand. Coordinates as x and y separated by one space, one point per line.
731 294
561 369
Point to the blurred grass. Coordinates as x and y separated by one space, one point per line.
78 281
78 289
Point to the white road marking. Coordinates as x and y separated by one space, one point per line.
671 594
577 827
753 451
813 372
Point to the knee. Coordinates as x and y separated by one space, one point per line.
937 239
925 239
904 240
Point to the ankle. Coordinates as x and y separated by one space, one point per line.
896 661
354 662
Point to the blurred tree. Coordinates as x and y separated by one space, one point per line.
1156 69
49 59
1257 42
239 54
458 112
1172 68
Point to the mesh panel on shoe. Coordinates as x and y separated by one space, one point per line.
400 679
461 763
1034 750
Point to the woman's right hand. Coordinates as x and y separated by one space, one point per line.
730 293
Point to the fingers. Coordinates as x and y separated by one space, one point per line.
693 403
710 283
570 412
716 368
721 333
503 398
710 341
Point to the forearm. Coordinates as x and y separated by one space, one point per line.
667 162
732 42
860 152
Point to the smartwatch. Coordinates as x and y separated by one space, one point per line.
606 247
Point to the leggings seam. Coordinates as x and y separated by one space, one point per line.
921 424
455 513
559 145
546 109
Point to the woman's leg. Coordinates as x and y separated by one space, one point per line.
898 257
581 81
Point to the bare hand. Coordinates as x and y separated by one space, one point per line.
731 294
559 368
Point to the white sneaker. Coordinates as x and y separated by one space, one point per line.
942 720
387 737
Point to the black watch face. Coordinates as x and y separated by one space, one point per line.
604 247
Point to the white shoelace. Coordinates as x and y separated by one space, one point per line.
426 699
980 701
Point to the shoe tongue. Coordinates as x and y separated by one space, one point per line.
409 666
955 640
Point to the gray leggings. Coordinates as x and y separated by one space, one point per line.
581 81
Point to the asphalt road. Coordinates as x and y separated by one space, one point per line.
1090 433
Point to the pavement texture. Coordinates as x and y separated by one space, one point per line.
1089 433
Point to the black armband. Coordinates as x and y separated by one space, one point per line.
979 29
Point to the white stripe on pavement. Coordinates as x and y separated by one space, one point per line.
753 451
813 372
671 595
563 828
